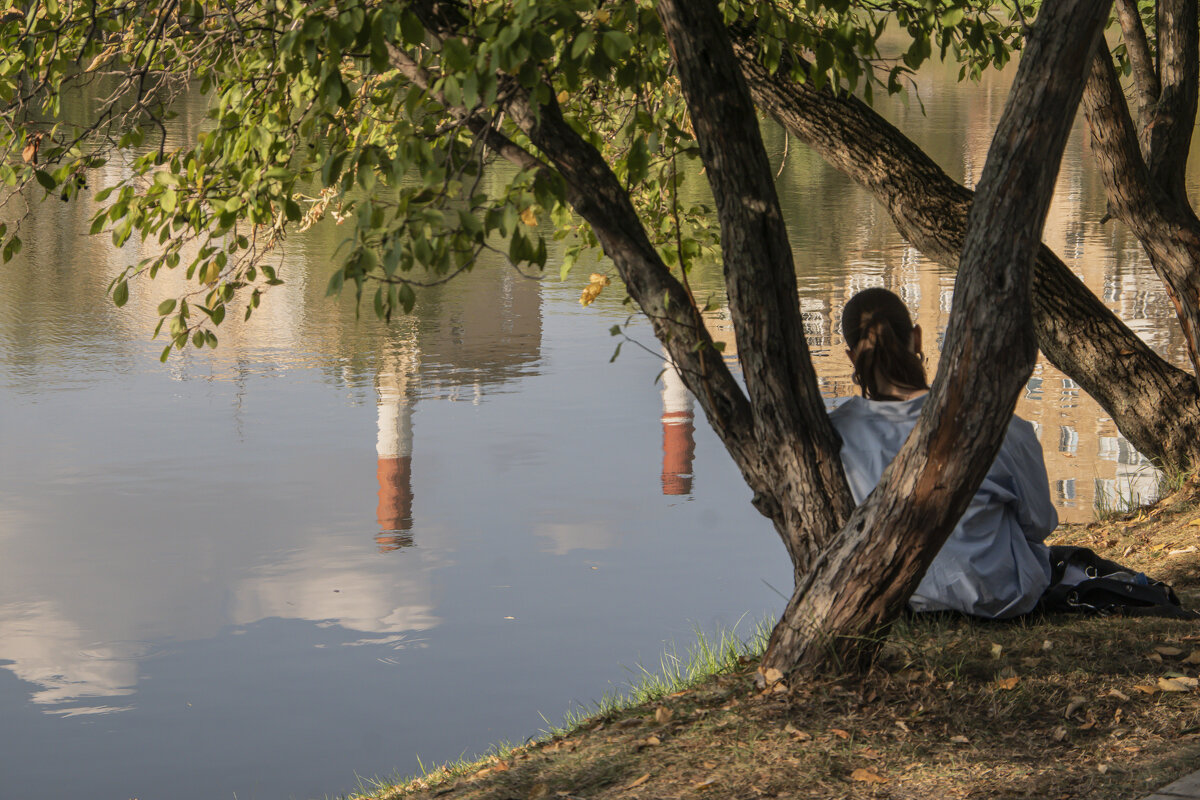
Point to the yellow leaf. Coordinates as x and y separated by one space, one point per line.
639 781
563 96
867 776
653 741
1005 684
596 284
1196 521
529 217
101 57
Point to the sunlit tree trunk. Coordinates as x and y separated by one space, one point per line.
1144 166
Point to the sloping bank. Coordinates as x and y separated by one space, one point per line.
1066 707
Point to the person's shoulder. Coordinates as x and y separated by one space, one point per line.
845 408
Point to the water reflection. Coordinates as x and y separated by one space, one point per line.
678 423
397 399
149 510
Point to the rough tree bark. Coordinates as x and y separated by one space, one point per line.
1155 405
1144 170
869 572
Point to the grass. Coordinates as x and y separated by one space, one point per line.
1057 708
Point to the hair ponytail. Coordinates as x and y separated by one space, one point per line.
878 330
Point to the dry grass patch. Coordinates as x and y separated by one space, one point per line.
1064 707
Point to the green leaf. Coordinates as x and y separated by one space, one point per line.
411 28
616 44
166 307
121 294
45 179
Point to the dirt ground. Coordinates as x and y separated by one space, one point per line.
1063 707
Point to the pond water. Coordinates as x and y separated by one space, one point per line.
333 546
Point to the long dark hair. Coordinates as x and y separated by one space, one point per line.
879 320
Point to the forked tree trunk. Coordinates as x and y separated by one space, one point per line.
1144 174
866 576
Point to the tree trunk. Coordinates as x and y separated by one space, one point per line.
1155 405
881 554
790 422
1145 197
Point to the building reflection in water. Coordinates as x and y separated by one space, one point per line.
678 424
396 385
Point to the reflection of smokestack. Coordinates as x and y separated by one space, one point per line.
394 448
679 448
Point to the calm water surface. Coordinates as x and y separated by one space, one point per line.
334 546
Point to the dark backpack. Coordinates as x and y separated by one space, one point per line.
1083 582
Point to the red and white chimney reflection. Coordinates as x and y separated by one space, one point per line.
394 450
679 444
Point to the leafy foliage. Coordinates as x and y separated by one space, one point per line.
386 114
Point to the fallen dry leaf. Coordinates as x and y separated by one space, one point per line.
771 677
652 741
1047 645
1059 734
639 781
1193 658
662 715
538 791
1165 650
867 776
710 765
1144 689
838 732
1184 551
704 784
1196 521
1102 768
867 752
960 740
1177 683
997 649
1155 657
1005 684
1117 693
1077 702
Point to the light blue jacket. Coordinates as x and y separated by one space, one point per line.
994 563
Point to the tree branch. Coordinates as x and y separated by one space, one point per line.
1137 47
1174 118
